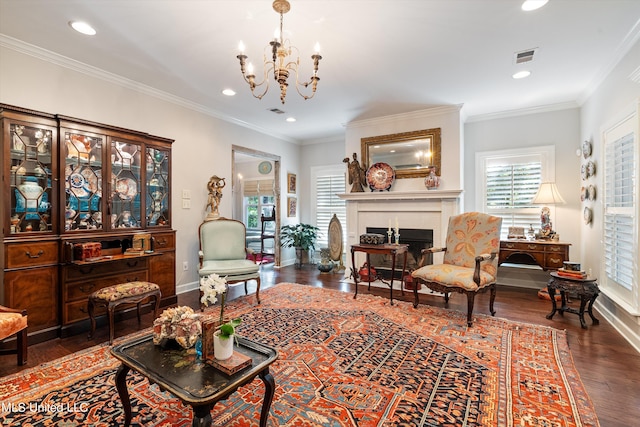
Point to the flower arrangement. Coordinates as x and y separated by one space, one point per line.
213 286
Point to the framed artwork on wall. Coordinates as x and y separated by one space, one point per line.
291 206
291 183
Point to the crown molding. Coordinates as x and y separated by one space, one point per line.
419 114
80 67
523 112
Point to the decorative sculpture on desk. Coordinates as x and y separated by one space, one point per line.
215 187
357 175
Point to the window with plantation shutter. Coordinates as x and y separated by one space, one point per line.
327 182
507 182
620 225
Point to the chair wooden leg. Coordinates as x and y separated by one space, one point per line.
138 311
246 290
92 318
258 289
470 299
21 342
492 298
156 306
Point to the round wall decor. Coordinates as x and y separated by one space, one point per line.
265 167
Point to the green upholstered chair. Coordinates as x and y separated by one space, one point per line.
470 262
223 251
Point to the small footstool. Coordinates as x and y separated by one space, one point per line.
124 293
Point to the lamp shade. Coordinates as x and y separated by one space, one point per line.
547 194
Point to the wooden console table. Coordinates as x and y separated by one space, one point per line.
385 249
547 254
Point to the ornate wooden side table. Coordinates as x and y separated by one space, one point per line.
385 249
586 289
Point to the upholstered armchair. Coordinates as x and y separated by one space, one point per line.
470 263
14 322
223 251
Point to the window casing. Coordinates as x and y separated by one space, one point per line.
620 213
507 182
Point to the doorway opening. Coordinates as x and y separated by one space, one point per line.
256 200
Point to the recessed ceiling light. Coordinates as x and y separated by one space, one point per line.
530 5
291 119
521 74
229 92
83 27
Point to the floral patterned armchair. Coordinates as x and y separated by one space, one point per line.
223 251
14 322
470 260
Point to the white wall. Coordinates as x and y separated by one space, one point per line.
557 128
616 94
202 146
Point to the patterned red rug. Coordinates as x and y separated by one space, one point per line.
343 362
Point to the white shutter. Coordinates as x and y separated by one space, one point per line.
328 203
619 209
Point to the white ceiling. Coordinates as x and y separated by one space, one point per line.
380 57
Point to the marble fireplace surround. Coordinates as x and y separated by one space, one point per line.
413 209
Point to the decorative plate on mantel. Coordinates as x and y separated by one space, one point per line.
380 176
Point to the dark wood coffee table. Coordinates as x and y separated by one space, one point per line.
192 381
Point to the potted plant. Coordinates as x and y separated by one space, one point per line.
301 236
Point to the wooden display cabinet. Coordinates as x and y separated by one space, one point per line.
69 181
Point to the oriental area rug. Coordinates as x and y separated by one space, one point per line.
342 362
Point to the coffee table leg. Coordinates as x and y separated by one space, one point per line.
269 391
121 386
202 416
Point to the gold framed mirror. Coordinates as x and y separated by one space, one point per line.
410 154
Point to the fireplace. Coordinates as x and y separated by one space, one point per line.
416 238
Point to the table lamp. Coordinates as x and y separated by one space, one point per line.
547 194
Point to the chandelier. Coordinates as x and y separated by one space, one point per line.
277 58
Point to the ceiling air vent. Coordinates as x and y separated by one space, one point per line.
525 56
276 110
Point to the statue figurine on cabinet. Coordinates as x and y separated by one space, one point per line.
215 186
357 175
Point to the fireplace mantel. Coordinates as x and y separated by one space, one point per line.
427 209
401 195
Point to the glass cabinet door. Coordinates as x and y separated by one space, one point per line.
83 181
126 158
157 202
30 177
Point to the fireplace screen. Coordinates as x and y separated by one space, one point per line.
416 238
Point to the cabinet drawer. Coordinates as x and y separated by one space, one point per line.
556 249
32 254
164 241
75 311
522 246
75 272
553 260
82 290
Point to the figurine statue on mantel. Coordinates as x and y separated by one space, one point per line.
215 186
357 175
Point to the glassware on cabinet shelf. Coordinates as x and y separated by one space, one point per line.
83 181
30 178
157 199
125 192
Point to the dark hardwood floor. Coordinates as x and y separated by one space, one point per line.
608 365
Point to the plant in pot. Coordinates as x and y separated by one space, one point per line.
301 236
